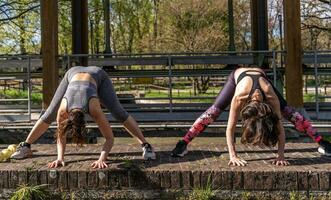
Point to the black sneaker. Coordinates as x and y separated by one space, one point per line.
180 150
325 148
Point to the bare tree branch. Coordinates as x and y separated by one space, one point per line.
325 1
8 4
18 15
310 26
314 16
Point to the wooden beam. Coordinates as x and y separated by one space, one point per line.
259 24
293 58
259 27
49 48
231 26
106 14
80 29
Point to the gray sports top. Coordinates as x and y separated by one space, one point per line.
78 94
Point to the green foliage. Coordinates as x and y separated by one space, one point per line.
294 195
247 196
139 26
36 97
132 23
97 28
64 32
203 193
194 26
128 164
311 98
37 192
20 34
327 137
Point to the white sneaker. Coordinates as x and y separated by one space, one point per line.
22 152
148 152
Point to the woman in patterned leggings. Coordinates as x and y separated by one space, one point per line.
253 97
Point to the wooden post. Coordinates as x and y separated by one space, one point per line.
293 58
231 26
80 29
49 49
106 6
259 26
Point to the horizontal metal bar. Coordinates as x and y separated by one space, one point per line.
320 58
128 61
5 100
161 54
162 59
20 63
317 51
175 53
159 125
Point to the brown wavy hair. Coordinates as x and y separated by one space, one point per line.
259 124
74 127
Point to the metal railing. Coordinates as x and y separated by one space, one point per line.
167 67
177 59
27 60
316 53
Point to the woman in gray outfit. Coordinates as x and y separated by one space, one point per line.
80 92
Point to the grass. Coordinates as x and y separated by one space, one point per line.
311 98
26 192
36 97
327 137
202 193
247 196
294 195
128 164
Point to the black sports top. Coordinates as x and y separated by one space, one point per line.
255 79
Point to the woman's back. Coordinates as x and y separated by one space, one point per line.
248 80
85 73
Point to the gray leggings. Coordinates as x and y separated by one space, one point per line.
106 94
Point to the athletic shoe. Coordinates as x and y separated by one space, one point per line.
180 150
148 152
325 148
22 151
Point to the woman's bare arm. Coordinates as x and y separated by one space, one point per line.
105 129
236 104
273 101
62 115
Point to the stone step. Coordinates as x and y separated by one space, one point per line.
205 164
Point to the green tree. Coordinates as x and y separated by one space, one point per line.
64 34
96 21
132 22
194 26
20 26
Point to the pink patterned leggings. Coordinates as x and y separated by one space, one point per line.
224 99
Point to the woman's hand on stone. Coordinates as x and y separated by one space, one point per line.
56 163
100 164
235 161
